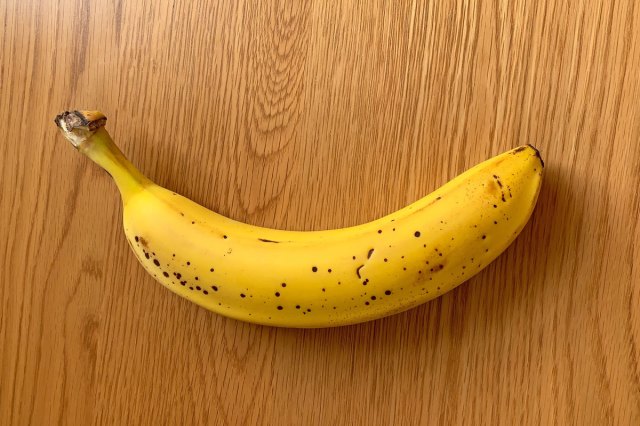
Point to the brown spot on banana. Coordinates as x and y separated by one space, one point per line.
358 271
264 240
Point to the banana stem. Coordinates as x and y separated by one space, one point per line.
85 130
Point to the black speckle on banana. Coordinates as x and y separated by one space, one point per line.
319 278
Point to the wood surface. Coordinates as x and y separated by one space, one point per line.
314 115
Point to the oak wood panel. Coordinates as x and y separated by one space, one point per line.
312 115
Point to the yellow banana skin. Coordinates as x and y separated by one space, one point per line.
319 278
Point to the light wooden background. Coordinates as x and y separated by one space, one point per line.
311 115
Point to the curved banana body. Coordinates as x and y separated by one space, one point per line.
319 278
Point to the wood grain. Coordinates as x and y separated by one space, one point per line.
313 115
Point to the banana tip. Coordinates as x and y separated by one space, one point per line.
537 153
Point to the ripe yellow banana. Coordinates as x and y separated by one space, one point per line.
319 278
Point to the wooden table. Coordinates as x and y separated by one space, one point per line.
313 115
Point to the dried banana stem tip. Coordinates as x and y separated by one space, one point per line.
78 126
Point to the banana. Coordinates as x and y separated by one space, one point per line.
318 278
